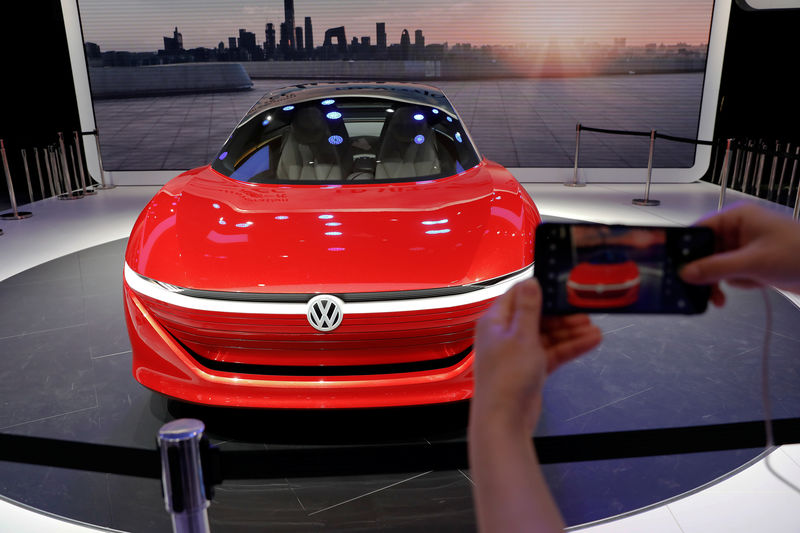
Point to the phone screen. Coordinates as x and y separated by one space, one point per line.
622 269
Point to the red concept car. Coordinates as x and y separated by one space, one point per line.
336 253
608 279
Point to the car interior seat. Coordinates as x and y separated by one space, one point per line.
311 151
408 147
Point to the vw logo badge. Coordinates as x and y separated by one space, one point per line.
325 312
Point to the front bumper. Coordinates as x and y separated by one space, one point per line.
162 363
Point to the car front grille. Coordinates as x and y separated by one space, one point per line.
374 343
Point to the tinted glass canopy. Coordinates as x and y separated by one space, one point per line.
344 138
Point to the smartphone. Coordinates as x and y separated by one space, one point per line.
597 268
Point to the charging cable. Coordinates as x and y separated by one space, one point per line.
766 401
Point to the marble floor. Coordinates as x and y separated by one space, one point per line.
59 279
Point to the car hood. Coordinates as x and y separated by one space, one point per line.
206 231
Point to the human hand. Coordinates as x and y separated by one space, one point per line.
754 247
515 350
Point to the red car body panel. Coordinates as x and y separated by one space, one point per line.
206 231
219 273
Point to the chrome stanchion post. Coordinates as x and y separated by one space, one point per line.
771 185
738 162
794 174
48 169
646 201
55 178
27 175
783 172
69 195
576 181
103 184
723 182
182 475
39 172
747 164
86 189
762 157
74 168
15 214
62 165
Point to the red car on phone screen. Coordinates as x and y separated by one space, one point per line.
607 279
336 253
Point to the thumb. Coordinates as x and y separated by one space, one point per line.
528 307
717 267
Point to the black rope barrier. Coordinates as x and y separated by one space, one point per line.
221 465
685 140
615 132
92 457
721 142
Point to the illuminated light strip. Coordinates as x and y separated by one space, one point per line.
153 289
599 287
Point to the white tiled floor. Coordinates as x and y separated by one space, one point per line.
751 500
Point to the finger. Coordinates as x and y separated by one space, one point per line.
502 309
728 225
555 337
717 296
743 283
561 325
567 351
717 267
562 321
528 307
732 215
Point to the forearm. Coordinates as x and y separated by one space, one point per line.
510 491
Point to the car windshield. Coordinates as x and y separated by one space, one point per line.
347 139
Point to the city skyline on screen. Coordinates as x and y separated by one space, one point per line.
140 25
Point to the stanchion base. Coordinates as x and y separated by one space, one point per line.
574 185
104 187
19 215
89 191
642 201
76 195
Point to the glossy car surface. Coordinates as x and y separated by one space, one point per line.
336 253
608 279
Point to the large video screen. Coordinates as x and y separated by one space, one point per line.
170 80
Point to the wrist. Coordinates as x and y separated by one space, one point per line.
507 418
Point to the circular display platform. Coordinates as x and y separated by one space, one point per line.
65 373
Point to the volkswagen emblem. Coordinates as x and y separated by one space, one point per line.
325 312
